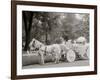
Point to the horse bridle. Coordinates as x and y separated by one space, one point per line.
33 45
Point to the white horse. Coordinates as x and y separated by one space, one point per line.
53 50
43 50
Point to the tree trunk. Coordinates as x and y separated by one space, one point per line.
27 30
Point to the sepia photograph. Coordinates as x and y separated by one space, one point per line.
54 39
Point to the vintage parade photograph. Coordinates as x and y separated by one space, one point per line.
55 39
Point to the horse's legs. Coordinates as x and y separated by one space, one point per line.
57 58
41 58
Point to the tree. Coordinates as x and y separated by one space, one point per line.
27 17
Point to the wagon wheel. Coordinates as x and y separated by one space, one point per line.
70 56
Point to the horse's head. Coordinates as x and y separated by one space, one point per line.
35 45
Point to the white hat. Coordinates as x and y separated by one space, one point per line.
81 39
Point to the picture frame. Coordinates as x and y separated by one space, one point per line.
17 7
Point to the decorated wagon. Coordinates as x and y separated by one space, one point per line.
78 50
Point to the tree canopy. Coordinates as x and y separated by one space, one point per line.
47 27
